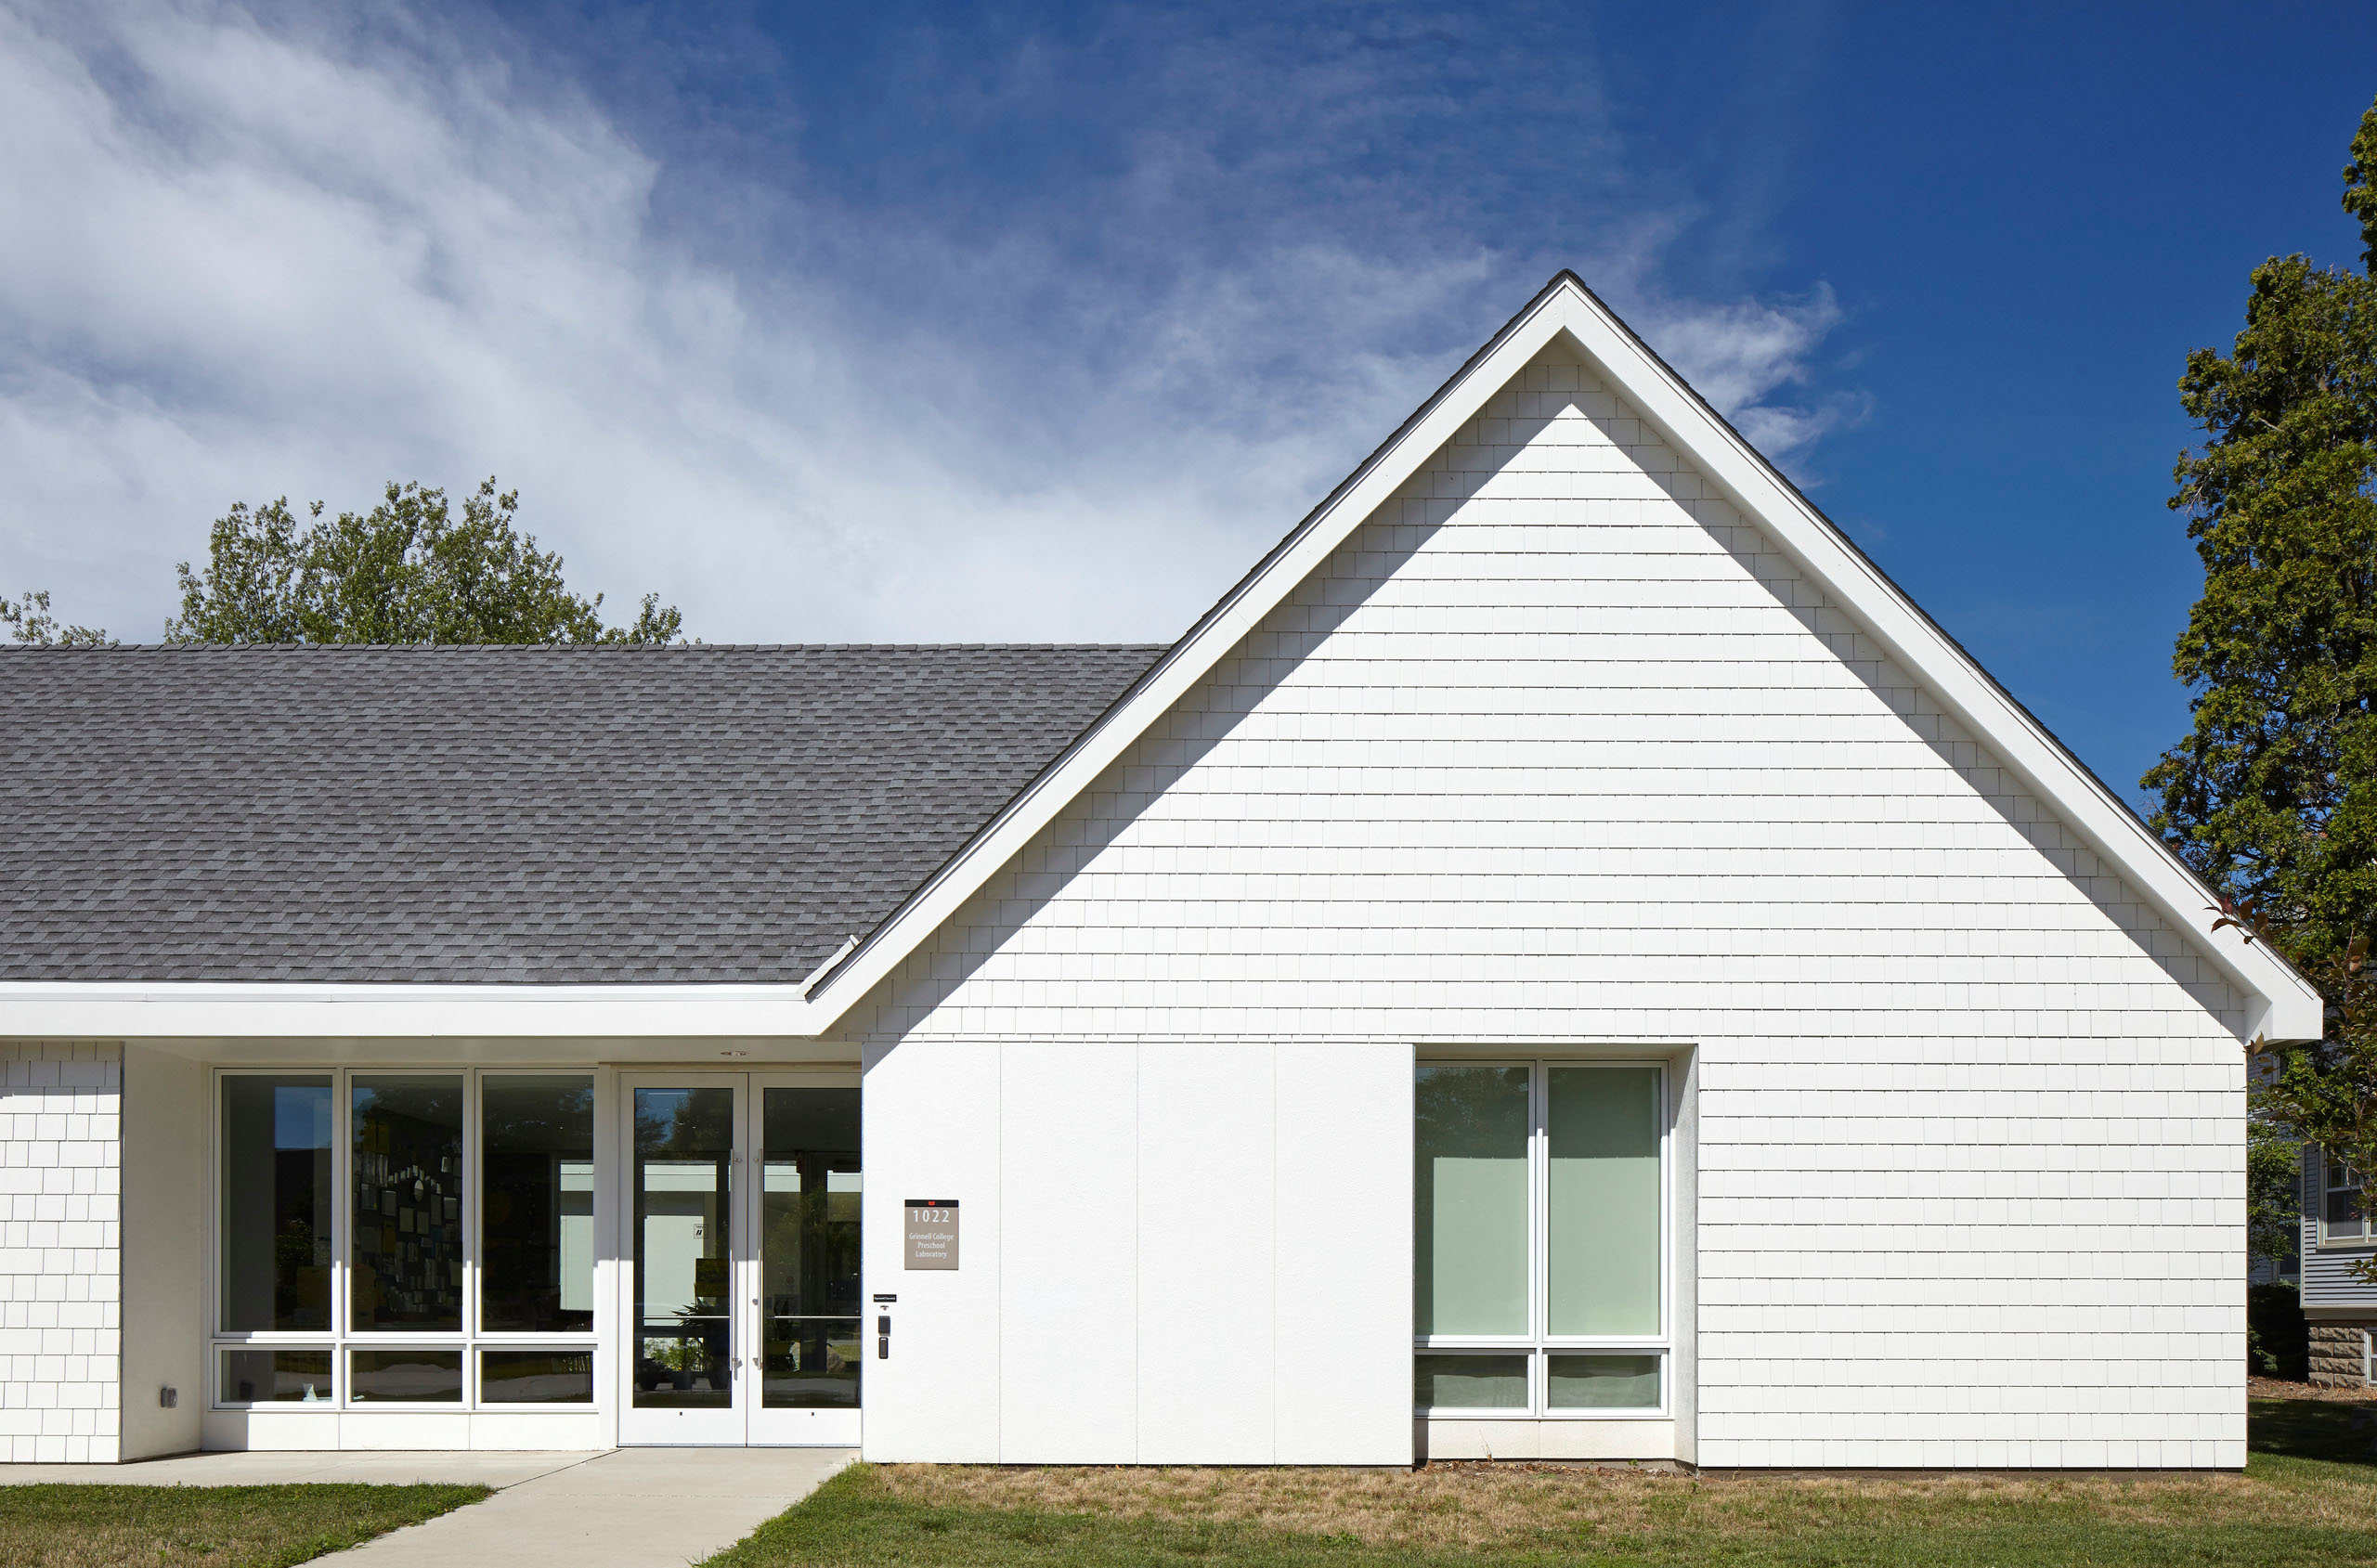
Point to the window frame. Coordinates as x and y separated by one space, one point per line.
2330 1170
1539 1345
343 1338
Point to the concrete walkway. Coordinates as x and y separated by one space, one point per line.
631 1508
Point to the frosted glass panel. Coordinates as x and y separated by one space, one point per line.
1603 1383
1603 1218
1470 1226
1469 1382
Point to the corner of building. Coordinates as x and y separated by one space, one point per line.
164 1121
60 1250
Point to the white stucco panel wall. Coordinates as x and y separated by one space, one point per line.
60 1163
1159 1260
1556 749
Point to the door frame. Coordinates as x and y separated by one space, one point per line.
746 1422
715 1429
788 1428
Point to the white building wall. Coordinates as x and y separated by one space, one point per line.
1557 750
1158 1259
163 1265
60 1160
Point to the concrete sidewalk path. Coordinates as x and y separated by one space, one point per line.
631 1508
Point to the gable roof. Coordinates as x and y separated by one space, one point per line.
468 815
2281 1004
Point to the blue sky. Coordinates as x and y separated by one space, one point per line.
905 322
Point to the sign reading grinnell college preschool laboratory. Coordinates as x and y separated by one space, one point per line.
933 1232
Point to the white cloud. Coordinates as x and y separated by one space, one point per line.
249 258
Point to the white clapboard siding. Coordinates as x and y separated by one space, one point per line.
1556 749
60 1168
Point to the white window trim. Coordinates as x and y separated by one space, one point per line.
342 1337
2360 1242
1539 1343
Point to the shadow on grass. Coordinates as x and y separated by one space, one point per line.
2312 1429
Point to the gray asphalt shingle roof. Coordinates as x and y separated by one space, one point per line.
502 814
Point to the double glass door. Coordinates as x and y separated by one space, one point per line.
743 1313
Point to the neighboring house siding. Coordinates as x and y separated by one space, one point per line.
2327 1270
1557 749
58 1241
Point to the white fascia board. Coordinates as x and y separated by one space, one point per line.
2282 1005
43 1010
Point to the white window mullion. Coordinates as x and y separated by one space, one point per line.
1666 1228
469 1219
1539 1190
342 1227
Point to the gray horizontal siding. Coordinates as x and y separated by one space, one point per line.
2327 1271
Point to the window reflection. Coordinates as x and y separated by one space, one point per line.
808 1231
537 1213
276 1377
684 1149
407 1255
404 1376
536 1377
277 1203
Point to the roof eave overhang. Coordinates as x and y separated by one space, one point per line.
41 1010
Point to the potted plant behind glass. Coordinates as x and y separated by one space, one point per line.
682 1358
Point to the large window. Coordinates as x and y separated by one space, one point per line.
1540 1224
392 1239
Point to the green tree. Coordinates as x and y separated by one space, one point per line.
2273 1188
410 570
2272 796
29 620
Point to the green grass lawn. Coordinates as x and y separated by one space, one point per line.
220 1526
2308 1496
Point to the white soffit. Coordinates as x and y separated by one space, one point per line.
2284 1006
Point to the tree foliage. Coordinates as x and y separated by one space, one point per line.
2325 1093
411 570
2273 1186
2272 796
29 620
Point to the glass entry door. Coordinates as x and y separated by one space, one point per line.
806 1246
741 1286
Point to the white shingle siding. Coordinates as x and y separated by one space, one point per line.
1557 749
59 1163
